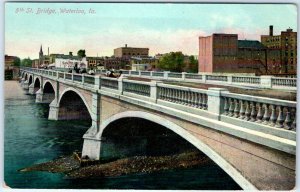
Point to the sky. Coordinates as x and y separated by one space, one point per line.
162 27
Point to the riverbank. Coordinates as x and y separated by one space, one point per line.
70 165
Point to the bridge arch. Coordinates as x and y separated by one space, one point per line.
23 74
26 76
36 84
48 87
30 79
220 161
72 105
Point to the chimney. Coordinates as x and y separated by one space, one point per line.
48 51
271 30
125 45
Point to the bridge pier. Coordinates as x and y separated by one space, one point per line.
91 147
53 110
92 144
42 97
31 89
25 85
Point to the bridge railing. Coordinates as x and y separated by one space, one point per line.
259 113
89 79
284 82
253 81
196 98
139 88
273 112
245 80
108 82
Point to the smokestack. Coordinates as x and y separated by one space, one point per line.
271 30
125 45
48 51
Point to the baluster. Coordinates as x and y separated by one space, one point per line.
195 100
273 116
280 118
236 108
185 99
253 112
288 120
167 94
176 96
191 97
231 107
259 113
204 102
160 93
226 106
247 111
293 127
266 116
163 93
242 110
172 95
200 100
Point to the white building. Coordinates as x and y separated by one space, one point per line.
69 62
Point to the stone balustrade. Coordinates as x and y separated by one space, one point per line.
196 98
246 80
268 111
269 82
262 113
216 78
284 82
107 82
139 88
174 75
89 79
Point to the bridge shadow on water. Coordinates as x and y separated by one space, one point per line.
130 137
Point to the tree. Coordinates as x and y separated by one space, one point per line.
27 62
81 53
173 61
193 65
17 62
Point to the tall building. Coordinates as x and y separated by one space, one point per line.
224 53
282 51
131 51
44 60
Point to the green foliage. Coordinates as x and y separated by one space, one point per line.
193 65
17 62
173 61
27 62
81 53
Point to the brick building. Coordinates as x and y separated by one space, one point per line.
9 61
225 53
282 51
131 51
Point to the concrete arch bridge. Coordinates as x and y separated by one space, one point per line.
253 139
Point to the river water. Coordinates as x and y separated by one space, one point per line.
30 138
